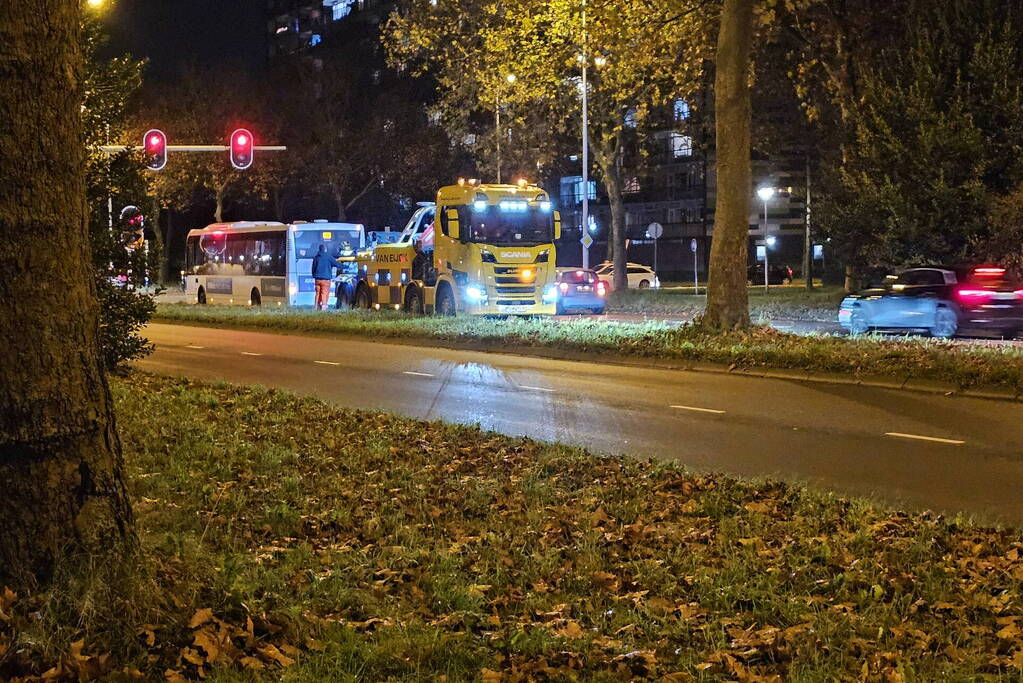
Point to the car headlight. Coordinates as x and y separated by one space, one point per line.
550 293
475 294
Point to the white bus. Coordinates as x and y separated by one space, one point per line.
258 263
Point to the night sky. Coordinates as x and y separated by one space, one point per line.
176 33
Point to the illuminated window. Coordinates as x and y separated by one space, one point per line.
572 190
681 145
681 110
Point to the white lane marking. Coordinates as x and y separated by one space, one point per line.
917 437
417 374
700 410
193 346
549 391
249 353
325 362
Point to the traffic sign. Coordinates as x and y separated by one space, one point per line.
692 245
654 231
586 240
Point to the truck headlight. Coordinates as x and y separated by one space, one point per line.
475 294
550 293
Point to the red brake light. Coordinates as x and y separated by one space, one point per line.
989 271
601 288
975 295
1019 293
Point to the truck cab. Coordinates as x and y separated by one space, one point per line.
479 249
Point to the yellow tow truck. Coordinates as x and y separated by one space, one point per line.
480 249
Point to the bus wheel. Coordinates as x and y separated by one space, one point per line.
445 300
362 299
341 294
414 301
254 298
200 298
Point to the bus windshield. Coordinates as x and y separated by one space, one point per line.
502 227
340 242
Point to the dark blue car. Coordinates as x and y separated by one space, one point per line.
581 290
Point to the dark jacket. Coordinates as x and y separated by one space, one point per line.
322 267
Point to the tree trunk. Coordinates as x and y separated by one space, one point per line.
342 207
727 296
218 211
619 256
277 196
606 154
60 458
168 248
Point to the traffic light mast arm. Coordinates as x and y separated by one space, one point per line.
114 149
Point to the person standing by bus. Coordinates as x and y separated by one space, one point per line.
323 274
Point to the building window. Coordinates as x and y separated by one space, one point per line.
630 118
681 109
572 190
631 185
681 145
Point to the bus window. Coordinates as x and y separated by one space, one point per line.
339 241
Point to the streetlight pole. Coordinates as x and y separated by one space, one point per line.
586 147
765 193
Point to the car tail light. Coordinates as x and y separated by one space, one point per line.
602 288
563 287
1019 293
989 271
975 295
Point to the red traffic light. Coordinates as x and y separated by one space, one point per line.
154 143
241 149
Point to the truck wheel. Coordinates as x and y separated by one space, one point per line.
342 298
445 301
414 301
362 298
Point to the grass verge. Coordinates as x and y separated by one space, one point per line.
287 540
902 358
789 303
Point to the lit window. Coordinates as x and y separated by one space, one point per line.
630 118
681 109
681 145
572 190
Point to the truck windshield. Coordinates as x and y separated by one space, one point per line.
507 228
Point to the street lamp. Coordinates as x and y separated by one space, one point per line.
510 78
765 194
95 4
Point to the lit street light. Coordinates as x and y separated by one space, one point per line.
765 194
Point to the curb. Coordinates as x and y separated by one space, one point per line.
907 383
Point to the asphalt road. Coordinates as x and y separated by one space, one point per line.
912 449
